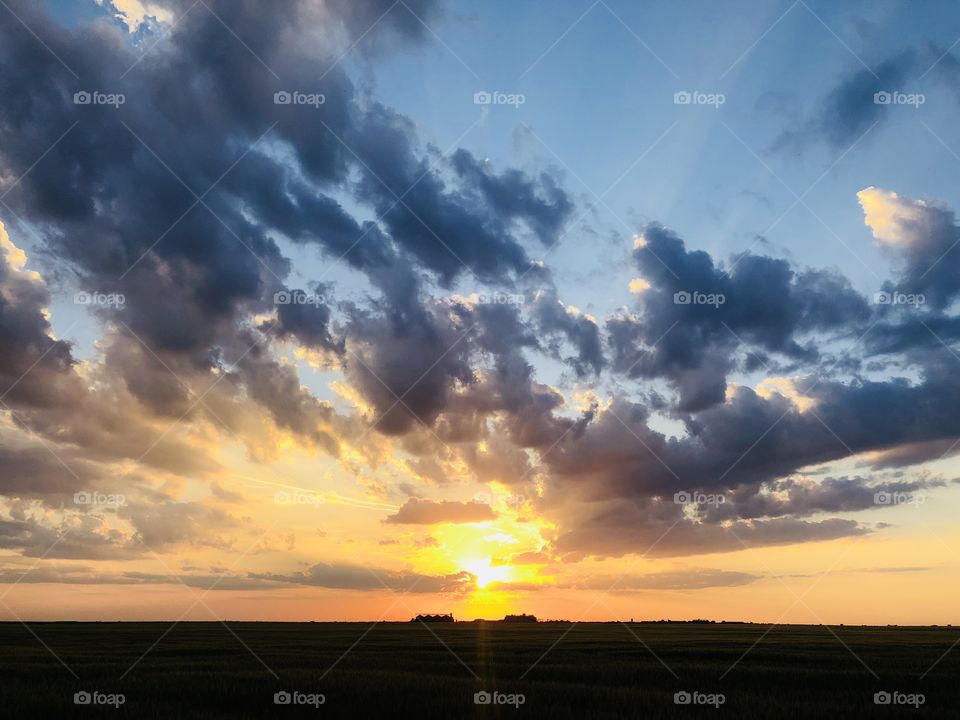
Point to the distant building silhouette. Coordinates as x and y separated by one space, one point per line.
433 618
523 618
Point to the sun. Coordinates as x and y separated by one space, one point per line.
485 572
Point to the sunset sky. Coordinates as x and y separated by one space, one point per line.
357 309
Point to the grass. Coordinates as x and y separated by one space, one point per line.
597 670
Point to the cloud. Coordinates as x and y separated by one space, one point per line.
694 315
580 330
35 368
856 103
541 203
189 200
359 577
692 579
134 13
850 108
800 497
32 471
429 512
162 525
922 238
73 574
658 531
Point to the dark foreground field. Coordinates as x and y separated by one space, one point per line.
209 670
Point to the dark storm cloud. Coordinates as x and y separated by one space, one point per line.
752 439
580 331
799 497
904 330
306 320
696 313
527 408
506 391
35 369
512 195
448 229
190 236
657 530
747 448
277 388
405 357
118 194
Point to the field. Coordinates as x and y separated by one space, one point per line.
589 670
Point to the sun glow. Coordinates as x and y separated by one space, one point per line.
486 572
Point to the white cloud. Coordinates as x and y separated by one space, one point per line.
133 13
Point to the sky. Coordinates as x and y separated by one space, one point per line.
354 310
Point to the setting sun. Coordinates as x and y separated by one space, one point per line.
487 573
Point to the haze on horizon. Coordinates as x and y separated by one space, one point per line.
360 309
